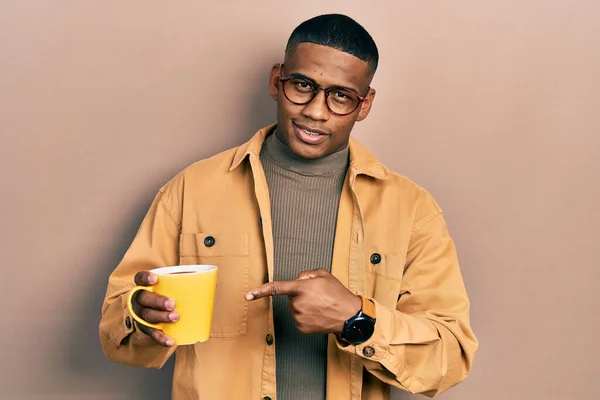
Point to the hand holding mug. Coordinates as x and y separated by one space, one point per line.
153 308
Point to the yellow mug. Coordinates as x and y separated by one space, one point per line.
193 288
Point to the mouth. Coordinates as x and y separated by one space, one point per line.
309 135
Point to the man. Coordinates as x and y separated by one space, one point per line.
337 277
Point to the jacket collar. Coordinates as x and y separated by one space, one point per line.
362 161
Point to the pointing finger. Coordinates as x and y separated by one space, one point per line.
276 288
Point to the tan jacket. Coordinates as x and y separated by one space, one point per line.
422 343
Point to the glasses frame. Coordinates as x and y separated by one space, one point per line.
316 89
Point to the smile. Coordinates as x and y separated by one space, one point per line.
308 136
311 133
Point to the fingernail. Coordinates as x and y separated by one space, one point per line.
174 316
152 278
170 342
249 296
170 304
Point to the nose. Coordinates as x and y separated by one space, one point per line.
317 109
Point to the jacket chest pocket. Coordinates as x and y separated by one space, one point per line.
230 253
383 277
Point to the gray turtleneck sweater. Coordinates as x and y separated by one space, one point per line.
304 196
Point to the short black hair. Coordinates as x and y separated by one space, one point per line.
339 32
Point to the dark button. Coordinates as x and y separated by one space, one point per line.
209 241
266 398
128 322
269 339
375 258
260 220
368 351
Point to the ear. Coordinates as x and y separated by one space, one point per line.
366 105
274 82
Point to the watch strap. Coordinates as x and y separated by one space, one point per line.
368 307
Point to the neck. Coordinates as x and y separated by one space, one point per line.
281 153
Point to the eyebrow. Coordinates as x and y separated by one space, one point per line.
302 76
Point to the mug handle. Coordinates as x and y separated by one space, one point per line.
134 315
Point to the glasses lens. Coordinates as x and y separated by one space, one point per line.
298 91
342 101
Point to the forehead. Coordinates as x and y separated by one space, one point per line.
327 66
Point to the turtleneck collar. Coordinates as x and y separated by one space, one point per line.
281 154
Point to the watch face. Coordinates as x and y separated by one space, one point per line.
359 330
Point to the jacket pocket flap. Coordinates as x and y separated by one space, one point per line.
213 245
389 266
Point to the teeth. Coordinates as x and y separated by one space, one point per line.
309 133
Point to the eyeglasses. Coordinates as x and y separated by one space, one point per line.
339 100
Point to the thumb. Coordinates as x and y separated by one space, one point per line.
314 273
275 288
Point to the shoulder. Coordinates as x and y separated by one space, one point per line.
413 195
391 189
394 185
219 163
201 173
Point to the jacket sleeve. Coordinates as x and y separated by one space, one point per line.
155 245
425 345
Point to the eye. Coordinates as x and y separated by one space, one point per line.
340 95
303 85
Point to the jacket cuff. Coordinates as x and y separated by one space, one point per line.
128 327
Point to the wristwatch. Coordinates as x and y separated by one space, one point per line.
360 328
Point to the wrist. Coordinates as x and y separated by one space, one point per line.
354 307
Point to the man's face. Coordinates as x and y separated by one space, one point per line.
326 67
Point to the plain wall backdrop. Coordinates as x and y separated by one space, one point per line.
493 106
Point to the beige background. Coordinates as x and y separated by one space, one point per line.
491 105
